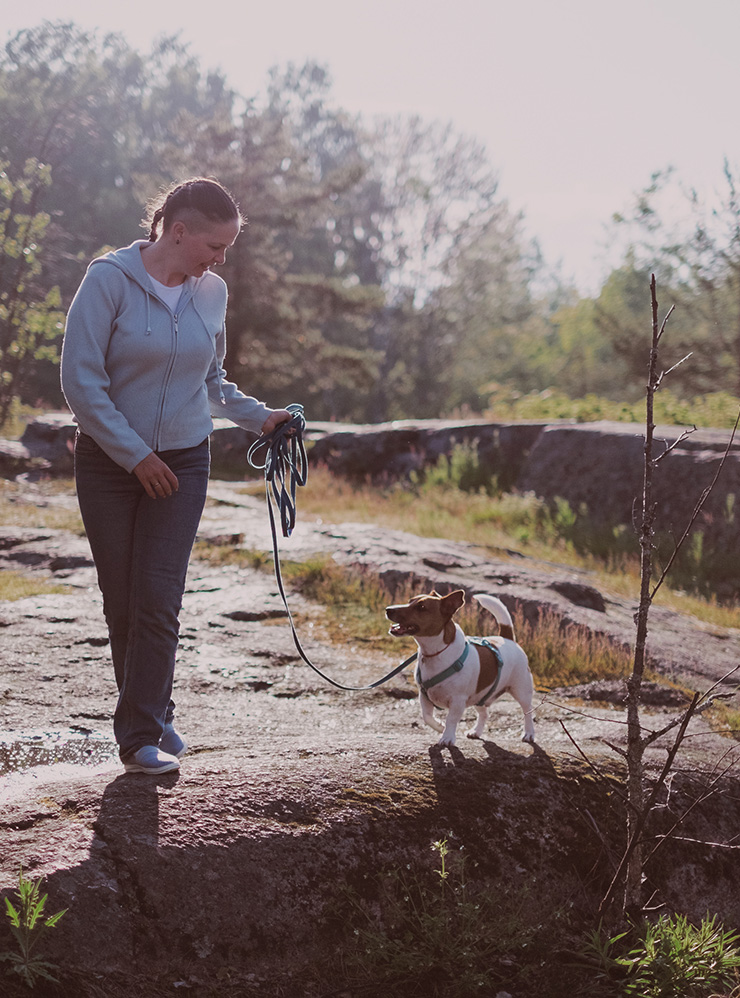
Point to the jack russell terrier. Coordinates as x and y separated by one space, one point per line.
455 672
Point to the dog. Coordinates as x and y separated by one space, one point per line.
455 672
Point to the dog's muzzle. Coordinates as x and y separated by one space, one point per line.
399 629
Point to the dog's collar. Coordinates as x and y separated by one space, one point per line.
427 684
435 653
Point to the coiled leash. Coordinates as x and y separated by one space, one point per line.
282 456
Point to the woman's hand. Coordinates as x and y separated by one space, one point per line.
275 418
157 479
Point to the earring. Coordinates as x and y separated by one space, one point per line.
177 242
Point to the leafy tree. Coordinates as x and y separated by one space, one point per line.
30 320
300 301
699 260
380 274
622 318
113 125
455 267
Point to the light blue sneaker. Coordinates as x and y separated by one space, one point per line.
149 759
172 742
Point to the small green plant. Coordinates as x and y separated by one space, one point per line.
460 470
28 924
451 938
667 958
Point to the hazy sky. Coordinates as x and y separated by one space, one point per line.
576 101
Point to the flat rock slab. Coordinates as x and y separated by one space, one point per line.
293 789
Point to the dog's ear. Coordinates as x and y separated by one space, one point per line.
452 602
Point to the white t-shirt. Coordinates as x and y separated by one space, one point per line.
171 296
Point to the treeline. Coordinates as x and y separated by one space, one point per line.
382 274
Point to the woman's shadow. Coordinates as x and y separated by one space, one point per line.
129 810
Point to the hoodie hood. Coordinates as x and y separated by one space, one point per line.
128 259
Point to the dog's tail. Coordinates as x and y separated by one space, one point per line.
502 615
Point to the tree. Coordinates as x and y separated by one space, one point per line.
114 125
454 265
302 284
30 319
699 259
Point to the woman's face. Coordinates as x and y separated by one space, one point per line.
203 248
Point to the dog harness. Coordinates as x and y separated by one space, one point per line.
457 666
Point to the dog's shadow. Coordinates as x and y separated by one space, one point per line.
500 763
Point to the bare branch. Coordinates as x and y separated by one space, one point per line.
695 803
685 434
581 713
698 842
616 748
655 735
644 812
715 685
677 364
663 324
592 766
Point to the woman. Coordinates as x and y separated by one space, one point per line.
142 373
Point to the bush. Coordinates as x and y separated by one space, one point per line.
668 958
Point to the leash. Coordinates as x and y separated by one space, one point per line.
281 454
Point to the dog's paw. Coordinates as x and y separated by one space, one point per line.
446 742
473 734
529 739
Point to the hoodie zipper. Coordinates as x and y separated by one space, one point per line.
167 376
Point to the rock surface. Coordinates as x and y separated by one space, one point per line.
593 465
292 787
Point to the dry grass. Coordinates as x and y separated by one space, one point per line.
505 527
47 503
14 586
355 602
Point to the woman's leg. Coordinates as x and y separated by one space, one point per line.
141 548
109 499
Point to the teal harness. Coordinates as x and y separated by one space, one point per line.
457 665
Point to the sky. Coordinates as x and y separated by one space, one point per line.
577 102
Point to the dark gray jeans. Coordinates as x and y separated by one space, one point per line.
141 548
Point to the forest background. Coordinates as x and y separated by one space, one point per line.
381 275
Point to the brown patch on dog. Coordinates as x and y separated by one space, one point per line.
488 669
506 632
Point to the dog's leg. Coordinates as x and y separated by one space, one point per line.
454 716
427 712
477 730
523 693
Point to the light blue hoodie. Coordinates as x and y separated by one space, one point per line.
139 378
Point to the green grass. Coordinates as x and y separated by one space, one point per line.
438 934
713 410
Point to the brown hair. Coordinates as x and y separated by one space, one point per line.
199 196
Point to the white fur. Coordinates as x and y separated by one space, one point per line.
458 692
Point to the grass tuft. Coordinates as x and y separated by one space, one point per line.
14 586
